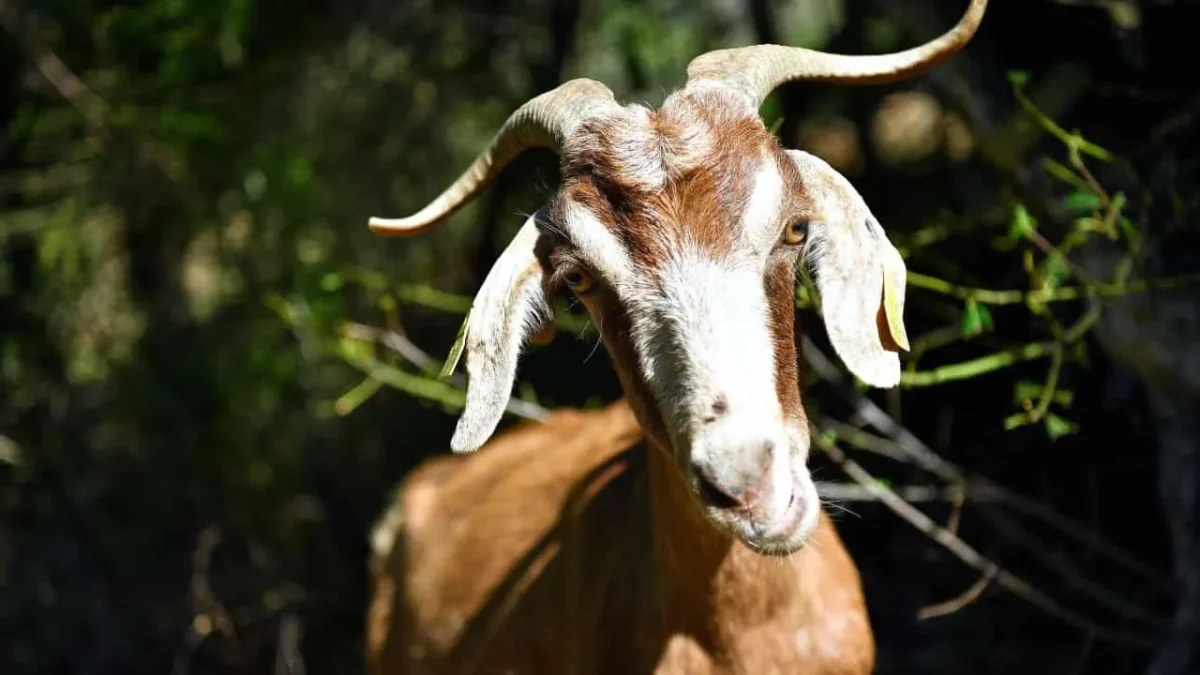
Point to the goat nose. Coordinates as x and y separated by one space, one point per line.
740 480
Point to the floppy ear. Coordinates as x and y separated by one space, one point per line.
860 275
509 307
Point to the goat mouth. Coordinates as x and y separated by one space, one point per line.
777 536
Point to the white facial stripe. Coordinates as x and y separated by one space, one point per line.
760 221
598 245
702 334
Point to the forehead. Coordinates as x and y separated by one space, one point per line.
702 171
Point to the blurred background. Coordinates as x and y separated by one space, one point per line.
212 375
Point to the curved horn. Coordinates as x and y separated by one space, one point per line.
756 71
544 121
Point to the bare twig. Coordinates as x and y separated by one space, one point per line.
853 492
964 552
399 343
916 452
415 355
965 598
1071 575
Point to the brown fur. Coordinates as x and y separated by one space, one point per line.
570 547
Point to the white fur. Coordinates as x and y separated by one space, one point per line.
508 307
761 221
849 254
599 246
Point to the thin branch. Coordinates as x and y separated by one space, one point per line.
1014 532
962 600
965 370
1047 295
853 492
916 452
964 552
399 343
449 393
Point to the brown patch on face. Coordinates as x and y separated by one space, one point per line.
614 326
779 284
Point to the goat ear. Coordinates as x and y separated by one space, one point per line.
509 307
860 276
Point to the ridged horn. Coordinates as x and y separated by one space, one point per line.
544 121
757 70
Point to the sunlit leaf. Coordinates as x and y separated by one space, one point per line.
1026 389
976 318
1058 427
1021 224
456 349
1081 202
1056 270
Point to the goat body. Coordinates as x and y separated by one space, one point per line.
503 562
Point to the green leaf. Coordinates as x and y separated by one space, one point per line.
1081 202
1127 227
456 349
1021 224
1058 427
1018 78
1065 174
976 318
332 282
1056 270
1026 389
1064 397
1089 224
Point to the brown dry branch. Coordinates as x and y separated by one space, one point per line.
962 600
964 552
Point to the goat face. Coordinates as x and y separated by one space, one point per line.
681 230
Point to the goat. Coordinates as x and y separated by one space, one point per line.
679 530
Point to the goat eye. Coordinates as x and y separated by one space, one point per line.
578 280
796 231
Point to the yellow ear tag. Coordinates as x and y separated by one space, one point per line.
893 308
456 349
